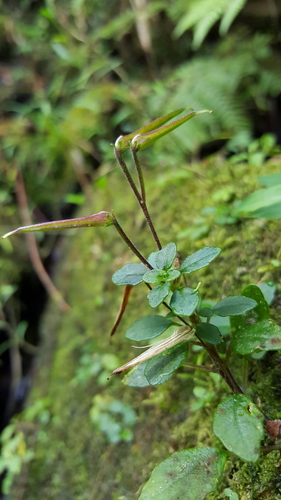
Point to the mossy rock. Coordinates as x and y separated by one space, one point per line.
73 457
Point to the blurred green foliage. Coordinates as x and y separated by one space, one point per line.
74 74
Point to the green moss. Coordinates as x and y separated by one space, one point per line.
73 458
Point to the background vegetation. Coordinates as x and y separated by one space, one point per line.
74 76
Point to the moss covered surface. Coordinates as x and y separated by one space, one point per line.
73 457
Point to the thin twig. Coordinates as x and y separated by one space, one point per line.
200 367
130 244
137 194
139 173
127 174
150 224
33 248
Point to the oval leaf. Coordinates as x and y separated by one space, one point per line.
130 274
154 276
161 368
165 257
209 333
254 330
259 200
136 376
206 312
238 423
184 301
232 306
264 335
158 294
148 327
270 180
172 275
199 259
268 289
222 323
185 475
259 312
271 212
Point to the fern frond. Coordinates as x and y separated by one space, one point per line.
231 82
232 10
194 13
203 27
201 15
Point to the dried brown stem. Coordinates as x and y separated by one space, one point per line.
33 248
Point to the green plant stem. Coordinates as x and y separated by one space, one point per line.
245 373
122 164
139 173
214 355
139 197
223 369
150 224
130 244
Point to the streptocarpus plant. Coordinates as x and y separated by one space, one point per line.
238 423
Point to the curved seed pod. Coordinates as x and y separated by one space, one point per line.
124 141
180 334
101 219
142 141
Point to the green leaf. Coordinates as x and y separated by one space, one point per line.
238 423
158 294
199 259
260 311
255 330
185 475
124 141
172 275
148 327
206 312
166 256
268 289
271 212
161 368
222 323
232 306
255 204
155 276
209 333
130 274
264 335
152 259
136 376
270 180
230 494
100 219
231 10
142 141
184 301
